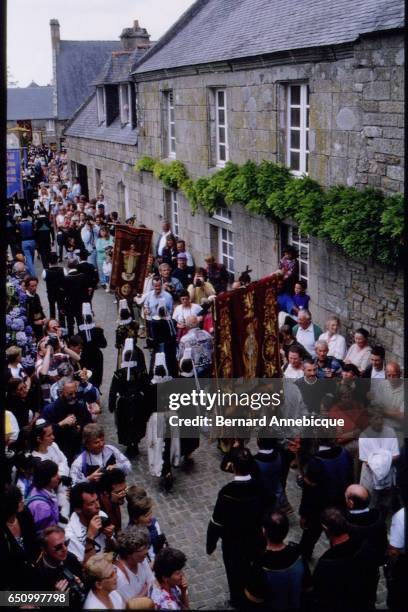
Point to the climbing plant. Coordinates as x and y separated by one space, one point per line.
364 223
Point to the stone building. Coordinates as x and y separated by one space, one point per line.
31 108
305 86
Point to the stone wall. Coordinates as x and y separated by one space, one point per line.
356 115
356 125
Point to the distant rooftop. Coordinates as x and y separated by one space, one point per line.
32 102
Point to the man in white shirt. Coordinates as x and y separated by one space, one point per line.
161 243
85 530
135 576
294 368
390 395
306 332
378 450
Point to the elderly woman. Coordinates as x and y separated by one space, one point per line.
101 577
97 456
359 353
133 569
336 342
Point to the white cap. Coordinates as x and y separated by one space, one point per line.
129 346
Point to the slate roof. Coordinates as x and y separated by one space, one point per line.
118 67
29 103
78 64
85 125
220 30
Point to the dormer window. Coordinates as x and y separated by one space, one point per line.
101 105
124 102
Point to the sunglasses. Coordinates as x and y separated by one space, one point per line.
61 546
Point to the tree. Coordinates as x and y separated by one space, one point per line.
11 82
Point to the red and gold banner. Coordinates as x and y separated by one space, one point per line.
246 331
130 255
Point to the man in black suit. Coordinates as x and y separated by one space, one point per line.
366 524
90 272
54 280
377 367
76 293
237 520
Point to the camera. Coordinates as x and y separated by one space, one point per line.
105 520
53 342
66 481
76 590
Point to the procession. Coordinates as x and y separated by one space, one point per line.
199 414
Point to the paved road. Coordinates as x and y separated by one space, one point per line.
184 512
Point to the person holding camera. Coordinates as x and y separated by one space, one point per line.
89 529
69 415
200 288
171 284
58 569
97 457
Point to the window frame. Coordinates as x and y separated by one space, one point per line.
171 121
101 105
174 212
225 257
223 214
220 163
50 125
122 102
303 129
301 242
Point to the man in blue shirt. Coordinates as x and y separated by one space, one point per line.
28 245
327 367
157 298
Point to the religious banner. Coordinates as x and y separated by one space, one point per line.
246 331
129 264
14 184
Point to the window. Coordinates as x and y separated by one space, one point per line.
124 101
301 244
100 103
171 125
50 125
222 154
226 248
223 214
172 211
98 181
298 129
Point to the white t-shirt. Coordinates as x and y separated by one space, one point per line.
291 372
360 357
180 312
306 338
54 453
371 441
135 585
379 374
397 531
76 532
336 343
93 603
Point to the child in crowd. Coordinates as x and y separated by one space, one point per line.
107 267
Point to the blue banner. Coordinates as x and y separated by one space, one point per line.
14 184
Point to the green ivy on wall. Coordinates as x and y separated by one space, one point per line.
364 223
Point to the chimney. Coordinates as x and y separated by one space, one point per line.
135 38
55 34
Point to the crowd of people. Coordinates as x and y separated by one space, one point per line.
62 520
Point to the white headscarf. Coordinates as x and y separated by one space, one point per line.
129 346
86 327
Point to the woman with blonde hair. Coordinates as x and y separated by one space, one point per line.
336 342
100 576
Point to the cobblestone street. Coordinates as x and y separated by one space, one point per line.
183 513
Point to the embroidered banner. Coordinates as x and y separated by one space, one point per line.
246 331
129 264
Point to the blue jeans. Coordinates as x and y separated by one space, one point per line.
28 247
92 258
